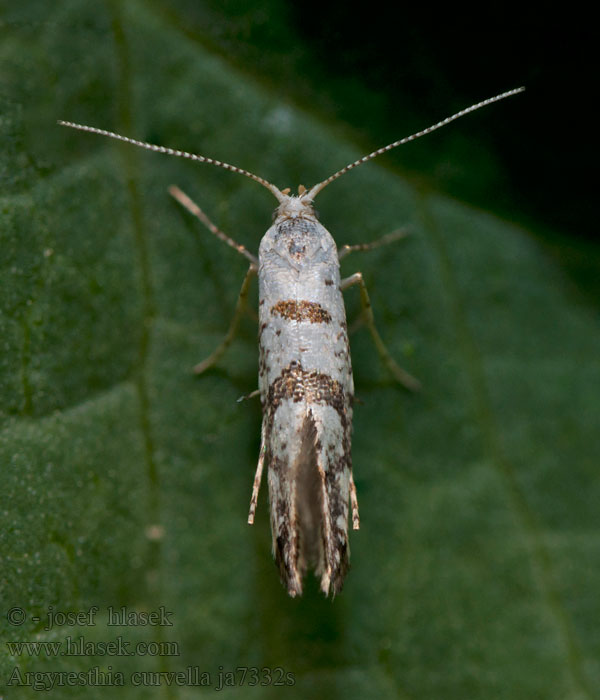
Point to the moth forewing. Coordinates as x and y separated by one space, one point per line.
305 373
305 380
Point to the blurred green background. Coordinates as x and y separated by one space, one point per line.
126 480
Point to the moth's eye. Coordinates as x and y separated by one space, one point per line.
275 214
316 213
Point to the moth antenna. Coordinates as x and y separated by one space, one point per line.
312 193
180 154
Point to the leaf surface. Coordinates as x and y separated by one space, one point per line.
126 480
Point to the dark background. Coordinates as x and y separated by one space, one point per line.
388 70
445 61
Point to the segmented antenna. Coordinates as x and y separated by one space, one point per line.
174 152
281 195
312 193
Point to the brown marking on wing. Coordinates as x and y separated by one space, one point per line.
302 385
301 311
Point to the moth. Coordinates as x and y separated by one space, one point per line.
305 374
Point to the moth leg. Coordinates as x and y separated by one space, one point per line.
258 475
384 240
240 306
401 375
194 209
354 504
251 395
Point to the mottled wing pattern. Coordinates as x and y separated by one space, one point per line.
306 387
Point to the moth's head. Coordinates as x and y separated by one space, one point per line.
295 206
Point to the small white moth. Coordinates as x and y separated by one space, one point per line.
305 374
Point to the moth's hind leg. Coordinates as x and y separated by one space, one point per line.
401 375
258 475
354 504
242 299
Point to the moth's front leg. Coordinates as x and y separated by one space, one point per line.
242 299
384 240
401 375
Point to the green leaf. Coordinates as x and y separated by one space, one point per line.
126 480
